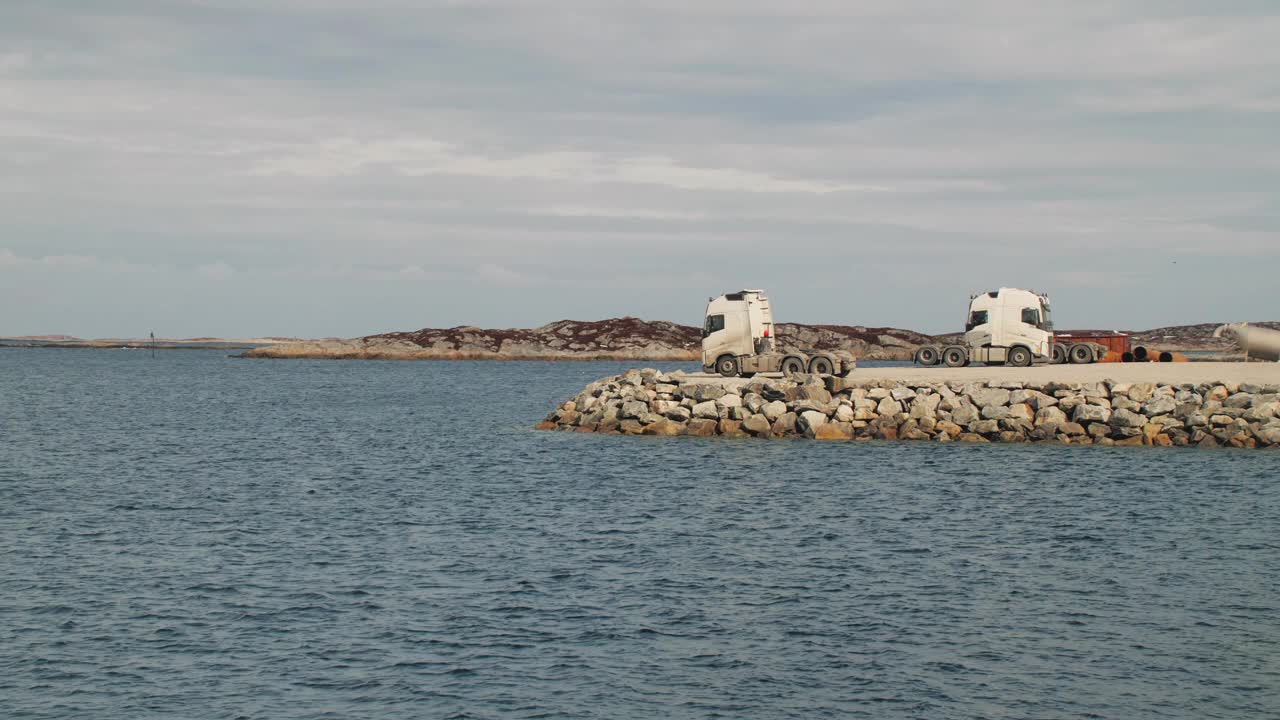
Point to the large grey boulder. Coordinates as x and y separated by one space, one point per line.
774 410
757 425
964 414
704 392
902 392
888 406
923 406
1090 413
679 413
633 409
1050 416
707 410
728 401
1127 419
810 419
987 397
1160 405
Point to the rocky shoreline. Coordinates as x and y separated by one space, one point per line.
648 402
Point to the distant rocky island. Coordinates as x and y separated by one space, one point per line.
630 338
625 338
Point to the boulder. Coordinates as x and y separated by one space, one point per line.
1050 416
753 402
830 431
664 428
1021 411
1071 429
731 428
902 392
774 410
1141 392
1160 405
679 413
701 428
946 427
923 406
985 427
844 413
988 397
702 392
707 410
785 425
888 406
633 409
757 425
964 414
1127 419
1090 413
971 438
810 419
728 401
1124 403
1238 400
995 412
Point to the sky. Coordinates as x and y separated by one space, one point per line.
321 168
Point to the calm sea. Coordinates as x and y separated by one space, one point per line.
195 536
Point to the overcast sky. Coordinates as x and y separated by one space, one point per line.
343 167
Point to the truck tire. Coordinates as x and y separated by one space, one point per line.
955 357
927 356
792 366
727 366
1081 354
1059 354
1019 356
821 366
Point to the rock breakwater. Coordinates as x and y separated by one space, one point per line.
648 402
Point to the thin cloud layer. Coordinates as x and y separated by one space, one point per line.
408 164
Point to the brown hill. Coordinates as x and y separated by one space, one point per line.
626 338
630 338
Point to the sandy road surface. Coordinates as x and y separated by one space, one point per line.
1159 373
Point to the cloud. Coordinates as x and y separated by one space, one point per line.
216 270
504 276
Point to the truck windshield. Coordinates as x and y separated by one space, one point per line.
976 318
1048 321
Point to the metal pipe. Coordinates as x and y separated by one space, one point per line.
1257 342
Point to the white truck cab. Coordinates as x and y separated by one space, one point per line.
1009 318
738 339
1005 326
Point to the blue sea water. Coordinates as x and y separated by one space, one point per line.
196 536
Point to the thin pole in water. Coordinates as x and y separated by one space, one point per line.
153 346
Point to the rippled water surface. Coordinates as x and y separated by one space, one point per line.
197 536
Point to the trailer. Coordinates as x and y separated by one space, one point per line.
1100 346
738 340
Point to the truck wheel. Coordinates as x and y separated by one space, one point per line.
955 357
1059 354
1081 354
821 366
727 366
927 356
792 366
1019 356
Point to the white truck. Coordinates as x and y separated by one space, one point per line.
1008 326
738 340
